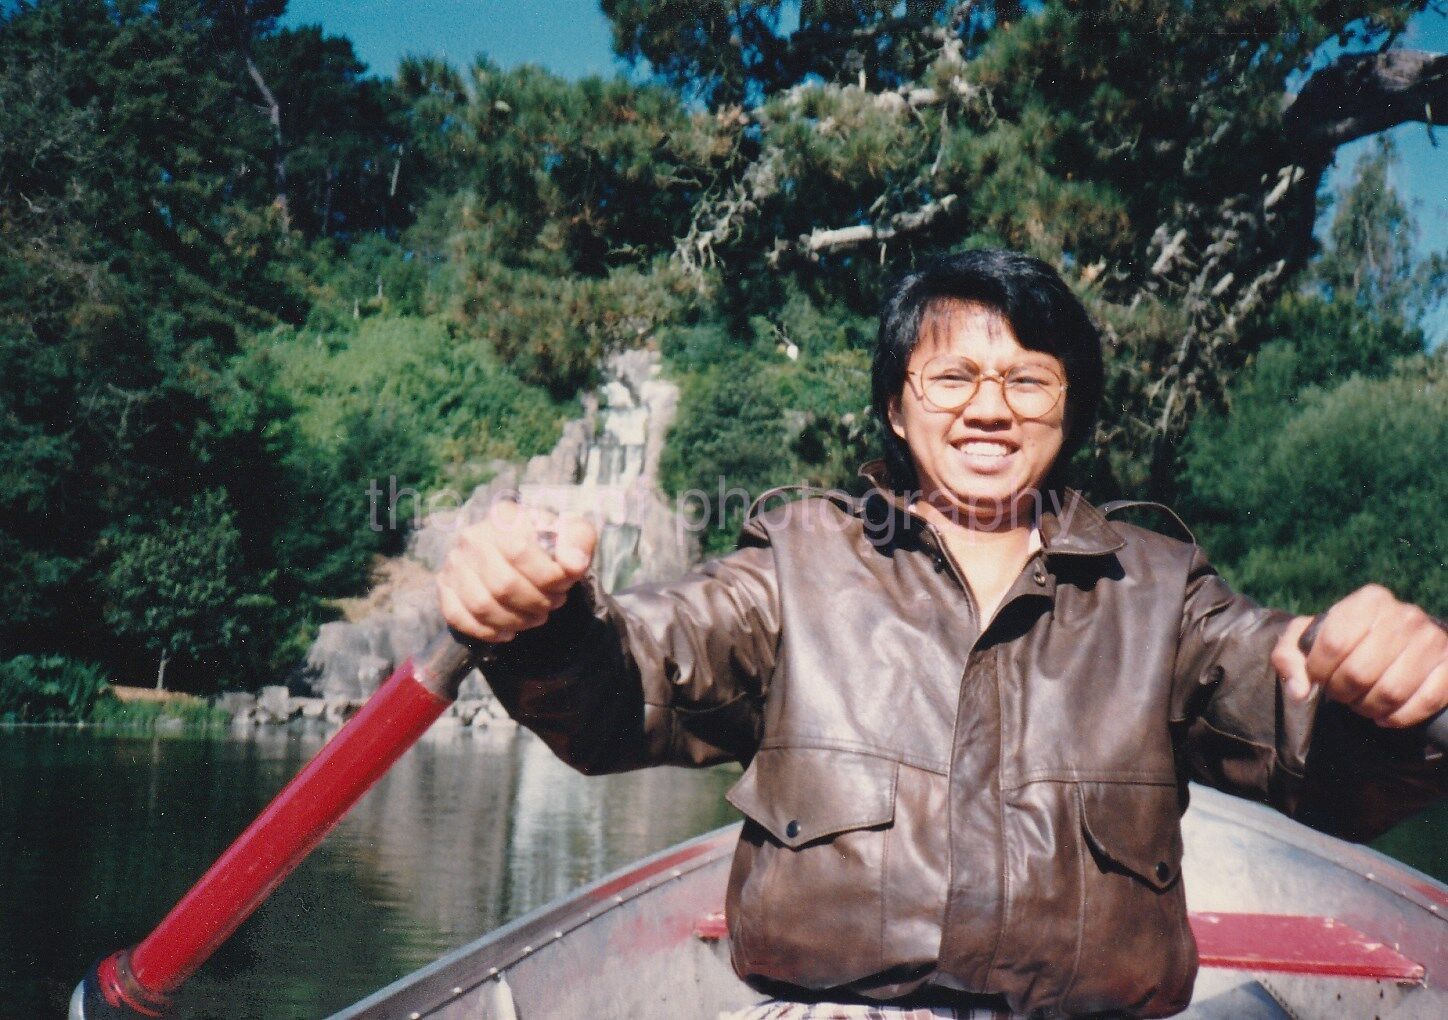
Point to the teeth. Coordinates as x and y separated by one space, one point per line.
985 448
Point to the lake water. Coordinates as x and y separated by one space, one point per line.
100 835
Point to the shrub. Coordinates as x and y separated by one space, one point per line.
112 715
751 419
49 688
1300 503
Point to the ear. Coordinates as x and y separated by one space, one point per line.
897 420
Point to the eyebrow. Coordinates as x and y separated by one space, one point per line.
1028 358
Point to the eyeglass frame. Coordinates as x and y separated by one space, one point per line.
984 375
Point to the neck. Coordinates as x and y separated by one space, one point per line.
988 522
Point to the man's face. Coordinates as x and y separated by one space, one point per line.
981 459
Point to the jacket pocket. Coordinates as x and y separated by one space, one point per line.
806 901
1136 948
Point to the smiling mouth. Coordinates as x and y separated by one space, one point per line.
986 448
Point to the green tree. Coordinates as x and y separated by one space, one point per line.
140 241
178 587
1165 156
343 149
1333 492
1314 481
49 688
1370 259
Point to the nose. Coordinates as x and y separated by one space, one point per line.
988 406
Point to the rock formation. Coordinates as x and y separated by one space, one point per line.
605 466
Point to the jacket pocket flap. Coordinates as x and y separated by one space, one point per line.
804 794
1137 826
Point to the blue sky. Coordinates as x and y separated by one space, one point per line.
571 38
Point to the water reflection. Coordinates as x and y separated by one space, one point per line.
99 836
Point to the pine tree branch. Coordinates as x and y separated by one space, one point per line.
1361 94
827 242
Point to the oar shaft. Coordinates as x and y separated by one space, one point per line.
296 820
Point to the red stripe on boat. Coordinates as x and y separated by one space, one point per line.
1273 942
1297 945
712 927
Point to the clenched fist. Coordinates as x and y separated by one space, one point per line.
500 578
1385 659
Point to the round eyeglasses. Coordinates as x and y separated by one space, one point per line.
948 383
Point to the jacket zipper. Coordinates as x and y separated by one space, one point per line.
943 554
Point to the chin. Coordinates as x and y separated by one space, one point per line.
986 497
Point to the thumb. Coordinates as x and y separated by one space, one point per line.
1290 661
574 549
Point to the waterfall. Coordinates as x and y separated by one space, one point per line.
604 467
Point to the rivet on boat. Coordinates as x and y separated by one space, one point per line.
527 950
457 989
492 972
414 1016
676 873
557 934
618 899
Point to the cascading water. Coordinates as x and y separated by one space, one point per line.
604 467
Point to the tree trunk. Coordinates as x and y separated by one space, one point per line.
327 203
274 114
161 672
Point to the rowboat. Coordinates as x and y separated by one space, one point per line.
1289 923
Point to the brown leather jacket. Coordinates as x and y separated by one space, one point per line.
927 804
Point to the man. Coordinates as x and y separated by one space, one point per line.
969 704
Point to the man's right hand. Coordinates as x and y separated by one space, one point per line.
499 578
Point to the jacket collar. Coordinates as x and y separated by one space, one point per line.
1069 524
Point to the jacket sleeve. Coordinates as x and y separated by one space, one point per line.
672 674
1316 760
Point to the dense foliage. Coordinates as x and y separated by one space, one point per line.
241 279
49 688
1323 472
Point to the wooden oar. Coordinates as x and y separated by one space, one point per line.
138 982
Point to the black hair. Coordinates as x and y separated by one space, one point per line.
1029 295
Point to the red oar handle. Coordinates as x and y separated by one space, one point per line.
1435 729
138 982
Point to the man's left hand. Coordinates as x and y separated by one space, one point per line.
1385 659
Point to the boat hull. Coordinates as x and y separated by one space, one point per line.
639 943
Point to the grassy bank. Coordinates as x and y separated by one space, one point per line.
181 714
56 691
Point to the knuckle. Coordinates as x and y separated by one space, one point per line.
482 605
1355 681
1332 646
512 592
1420 620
